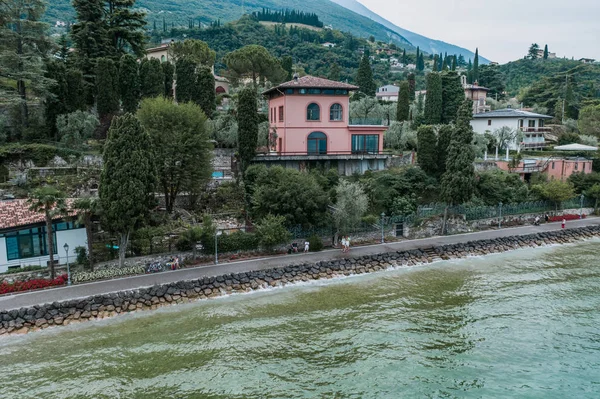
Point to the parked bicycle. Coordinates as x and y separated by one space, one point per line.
156 267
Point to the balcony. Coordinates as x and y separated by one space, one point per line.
366 122
329 155
536 129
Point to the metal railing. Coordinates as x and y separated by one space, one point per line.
536 129
327 153
366 122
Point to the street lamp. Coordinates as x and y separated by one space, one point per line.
217 234
382 227
500 217
66 247
581 207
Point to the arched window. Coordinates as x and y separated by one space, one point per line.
163 58
313 112
317 143
336 113
220 90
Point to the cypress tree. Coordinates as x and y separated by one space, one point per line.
458 182
185 71
443 143
55 104
476 66
247 119
453 96
168 71
152 79
404 58
403 112
364 77
453 68
127 181
470 72
421 63
129 83
433 100
412 84
107 87
434 66
546 52
418 57
205 95
427 149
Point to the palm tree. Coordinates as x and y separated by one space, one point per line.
51 202
86 209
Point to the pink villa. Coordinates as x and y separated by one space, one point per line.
552 168
310 126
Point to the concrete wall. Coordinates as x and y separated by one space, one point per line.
75 238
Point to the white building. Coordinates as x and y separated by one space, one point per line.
388 93
23 240
529 126
328 45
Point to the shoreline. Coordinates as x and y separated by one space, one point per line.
96 307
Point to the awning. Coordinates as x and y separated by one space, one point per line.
575 147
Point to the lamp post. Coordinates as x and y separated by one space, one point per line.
217 234
66 247
382 227
581 207
500 217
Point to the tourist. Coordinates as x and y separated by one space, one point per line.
347 243
536 222
306 246
343 244
546 218
564 222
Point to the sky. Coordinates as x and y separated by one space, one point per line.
503 30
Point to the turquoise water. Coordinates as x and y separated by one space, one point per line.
519 325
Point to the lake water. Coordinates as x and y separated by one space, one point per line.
520 325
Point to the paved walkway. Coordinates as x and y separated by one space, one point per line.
128 283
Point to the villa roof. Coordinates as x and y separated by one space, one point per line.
510 113
15 213
312 82
158 49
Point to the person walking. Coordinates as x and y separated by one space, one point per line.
306 246
347 243
343 244
564 222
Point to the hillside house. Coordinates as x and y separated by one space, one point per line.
310 125
23 238
329 45
388 93
587 60
529 126
477 94
553 168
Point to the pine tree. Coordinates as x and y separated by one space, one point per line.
476 66
152 79
335 72
127 181
427 149
107 87
247 119
205 95
185 82
364 77
412 84
168 72
458 183
403 112
125 27
546 52
443 143
453 96
129 83
433 101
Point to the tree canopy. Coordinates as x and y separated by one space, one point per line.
254 61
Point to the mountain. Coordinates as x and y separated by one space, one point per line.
179 12
426 44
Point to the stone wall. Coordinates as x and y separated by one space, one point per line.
24 320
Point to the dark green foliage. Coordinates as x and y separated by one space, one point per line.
168 72
185 71
205 95
247 126
498 186
427 150
152 80
127 182
315 243
583 182
433 101
129 83
107 87
335 73
288 16
271 231
289 193
403 112
443 144
288 65
453 95
532 54
125 26
364 77
458 183
55 104
546 52
491 77
39 154
476 66
412 86
254 61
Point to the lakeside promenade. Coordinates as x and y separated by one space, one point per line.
29 299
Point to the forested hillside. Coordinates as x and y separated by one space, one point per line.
523 73
180 12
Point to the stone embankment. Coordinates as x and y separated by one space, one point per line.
24 320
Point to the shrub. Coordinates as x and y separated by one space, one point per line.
83 277
316 243
272 232
82 256
24 269
35 284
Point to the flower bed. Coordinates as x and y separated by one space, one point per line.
566 217
108 273
36 284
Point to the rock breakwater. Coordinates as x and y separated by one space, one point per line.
35 318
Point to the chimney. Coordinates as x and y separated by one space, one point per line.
296 78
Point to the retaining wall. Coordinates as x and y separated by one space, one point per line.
24 320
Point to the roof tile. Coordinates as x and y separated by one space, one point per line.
15 213
312 82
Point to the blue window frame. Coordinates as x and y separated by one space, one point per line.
27 243
317 143
365 144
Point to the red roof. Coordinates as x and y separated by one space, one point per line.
311 82
16 213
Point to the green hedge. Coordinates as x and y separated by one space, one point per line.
39 154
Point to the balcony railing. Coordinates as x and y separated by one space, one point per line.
533 145
328 153
536 129
366 122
